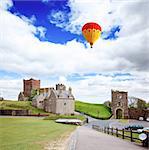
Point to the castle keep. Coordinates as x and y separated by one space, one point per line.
30 85
119 104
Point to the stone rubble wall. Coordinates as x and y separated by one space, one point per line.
15 112
135 113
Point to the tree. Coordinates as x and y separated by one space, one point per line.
147 105
107 103
33 94
141 104
132 102
136 103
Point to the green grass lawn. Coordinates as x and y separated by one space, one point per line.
30 133
94 110
7 104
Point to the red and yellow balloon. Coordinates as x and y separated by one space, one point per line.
91 31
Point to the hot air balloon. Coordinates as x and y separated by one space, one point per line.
91 31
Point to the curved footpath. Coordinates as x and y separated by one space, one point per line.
85 138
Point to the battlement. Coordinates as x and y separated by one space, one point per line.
60 87
117 91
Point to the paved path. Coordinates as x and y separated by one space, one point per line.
116 123
85 138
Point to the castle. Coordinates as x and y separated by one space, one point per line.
119 104
58 100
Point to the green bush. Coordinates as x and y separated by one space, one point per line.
134 127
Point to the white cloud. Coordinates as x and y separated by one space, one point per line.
30 20
132 15
97 89
23 53
58 17
42 31
5 4
10 88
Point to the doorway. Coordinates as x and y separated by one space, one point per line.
119 114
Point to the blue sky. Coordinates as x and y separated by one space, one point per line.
41 11
43 40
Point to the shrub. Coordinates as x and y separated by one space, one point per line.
134 127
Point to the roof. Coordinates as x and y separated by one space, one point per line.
59 94
63 94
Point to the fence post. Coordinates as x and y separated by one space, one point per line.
112 130
123 133
131 135
147 143
99 129
117 132
108 130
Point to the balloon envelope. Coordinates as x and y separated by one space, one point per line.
91 31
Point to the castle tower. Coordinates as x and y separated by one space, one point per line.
60 87
119 104
29 85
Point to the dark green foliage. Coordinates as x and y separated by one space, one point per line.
134 127
141 104
33 93
147 105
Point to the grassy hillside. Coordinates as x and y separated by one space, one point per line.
15 105
95 110
19 105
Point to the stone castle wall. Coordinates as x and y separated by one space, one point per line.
15 112
119 102
135 113
29 85
65 106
